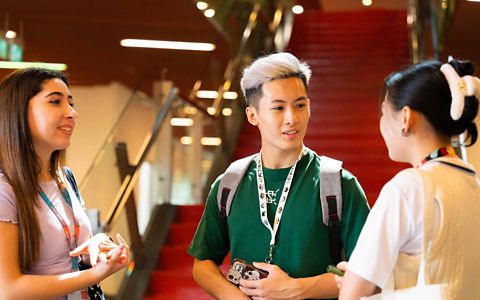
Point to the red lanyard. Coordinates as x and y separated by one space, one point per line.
66 230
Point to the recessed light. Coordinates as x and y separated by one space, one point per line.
183 122
211 141
227 111
174 45
367 2
186 140
10 34
24 64
211 110
208 94
209 13
297 9
202 5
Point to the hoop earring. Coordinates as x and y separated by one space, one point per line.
406 133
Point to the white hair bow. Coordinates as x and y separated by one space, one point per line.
460 87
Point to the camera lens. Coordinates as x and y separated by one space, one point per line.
230 276
246 277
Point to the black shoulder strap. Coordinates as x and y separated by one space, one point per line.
334 230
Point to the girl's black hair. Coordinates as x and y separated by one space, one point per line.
424 88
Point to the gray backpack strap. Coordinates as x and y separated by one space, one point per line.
330 188
229 184
331 200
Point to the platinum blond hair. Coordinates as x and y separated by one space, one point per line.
271 67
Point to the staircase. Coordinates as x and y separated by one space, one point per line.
350 53
173 279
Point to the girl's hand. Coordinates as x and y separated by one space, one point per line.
339 279
118 258
97 247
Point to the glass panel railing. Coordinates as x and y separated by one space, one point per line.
102 181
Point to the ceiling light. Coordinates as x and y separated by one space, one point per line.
186 140
367 2
202 5
158 44
227 111
184 122
205 94
209 13
190 110
297 9
23 65
206 165
211 141
211 110
474 0
10 34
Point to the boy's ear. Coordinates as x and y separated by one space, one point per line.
251 115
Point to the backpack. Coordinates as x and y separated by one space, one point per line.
330 196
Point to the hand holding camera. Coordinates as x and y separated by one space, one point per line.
242 269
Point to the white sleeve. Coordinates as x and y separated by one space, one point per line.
393 226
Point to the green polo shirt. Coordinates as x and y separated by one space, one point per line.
302 241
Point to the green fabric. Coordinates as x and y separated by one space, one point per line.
302 242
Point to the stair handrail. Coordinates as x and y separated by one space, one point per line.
129 181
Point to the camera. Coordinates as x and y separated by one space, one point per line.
242 269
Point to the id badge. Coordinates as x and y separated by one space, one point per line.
78 295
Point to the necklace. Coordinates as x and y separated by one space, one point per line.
440 152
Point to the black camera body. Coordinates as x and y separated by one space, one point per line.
242 269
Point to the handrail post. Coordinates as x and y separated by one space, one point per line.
125 169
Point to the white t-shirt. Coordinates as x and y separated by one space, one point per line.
393 226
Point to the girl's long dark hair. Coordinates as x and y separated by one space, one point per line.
18 160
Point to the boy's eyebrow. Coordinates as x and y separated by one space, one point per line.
283 101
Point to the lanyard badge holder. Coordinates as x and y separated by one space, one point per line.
72 241
66 230
263 200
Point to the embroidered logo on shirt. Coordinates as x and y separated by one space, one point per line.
272 197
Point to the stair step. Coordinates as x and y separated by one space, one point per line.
181 233
173 280
175 256
189 213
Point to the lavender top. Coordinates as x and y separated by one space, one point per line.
53 257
